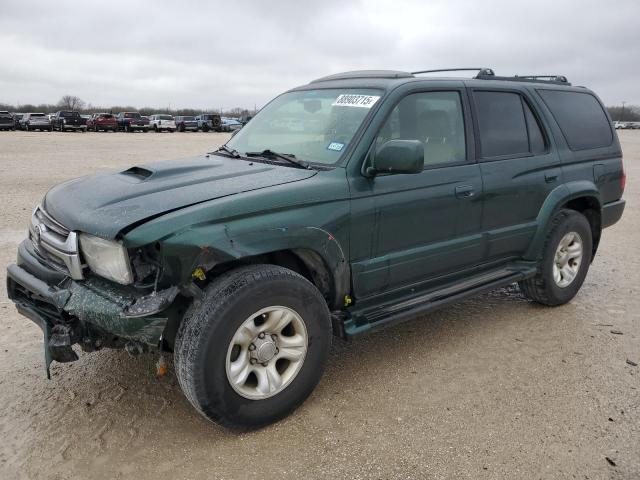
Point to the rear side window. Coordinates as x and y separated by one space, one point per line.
507 126
503 129
580 117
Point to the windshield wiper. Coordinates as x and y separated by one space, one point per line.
231 151
289 157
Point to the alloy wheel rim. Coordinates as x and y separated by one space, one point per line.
567 260
266 352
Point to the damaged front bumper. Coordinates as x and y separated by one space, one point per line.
93 313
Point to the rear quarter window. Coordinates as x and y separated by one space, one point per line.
580 117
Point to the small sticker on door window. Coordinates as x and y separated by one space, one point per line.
351 100
335 146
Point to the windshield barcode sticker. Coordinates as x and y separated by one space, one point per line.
351 100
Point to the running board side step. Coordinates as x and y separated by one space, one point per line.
365 321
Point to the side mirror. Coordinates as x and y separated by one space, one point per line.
397 156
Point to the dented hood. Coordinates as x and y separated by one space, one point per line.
104 204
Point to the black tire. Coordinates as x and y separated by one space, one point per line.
127 128
205 128
145 130
542 287
155 129
26 127
181 128
206 331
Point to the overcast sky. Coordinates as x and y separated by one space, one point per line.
208 54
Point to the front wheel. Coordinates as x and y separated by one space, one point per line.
564 262
254 348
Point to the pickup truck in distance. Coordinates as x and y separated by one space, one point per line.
186 123
357 201
102 121
66 120
160 122
132 121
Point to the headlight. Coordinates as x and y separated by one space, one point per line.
106 258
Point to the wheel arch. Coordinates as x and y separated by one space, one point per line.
310 251
580 196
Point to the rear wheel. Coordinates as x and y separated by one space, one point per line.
564 261
255 348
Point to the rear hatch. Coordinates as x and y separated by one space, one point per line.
6 120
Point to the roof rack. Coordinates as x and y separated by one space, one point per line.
485 73
481 70
555 79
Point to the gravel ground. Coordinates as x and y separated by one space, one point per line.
493 387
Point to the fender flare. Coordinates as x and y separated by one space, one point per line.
226 244
558 197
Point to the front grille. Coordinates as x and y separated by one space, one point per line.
55 243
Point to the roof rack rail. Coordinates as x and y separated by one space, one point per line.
485 73
555 79
481 70
548 78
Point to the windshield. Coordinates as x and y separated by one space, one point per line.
187 118
131 115
165 117
314 125
37 115
69 114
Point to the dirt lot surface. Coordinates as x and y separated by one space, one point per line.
494 387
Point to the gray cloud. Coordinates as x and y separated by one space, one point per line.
214 54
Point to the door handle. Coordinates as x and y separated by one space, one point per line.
549 178
465 191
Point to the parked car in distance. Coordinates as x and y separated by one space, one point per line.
244 119
209 121
68 120
399 194
162 122
35 121
186 123
6 120
230 124
634 125
16 120
132 121
102 122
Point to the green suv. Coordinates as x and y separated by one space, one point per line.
359 200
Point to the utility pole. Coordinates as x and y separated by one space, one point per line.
622 113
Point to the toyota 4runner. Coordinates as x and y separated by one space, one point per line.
359 200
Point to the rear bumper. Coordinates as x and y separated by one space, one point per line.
611 212
73 127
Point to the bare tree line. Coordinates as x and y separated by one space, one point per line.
72 102
627 113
